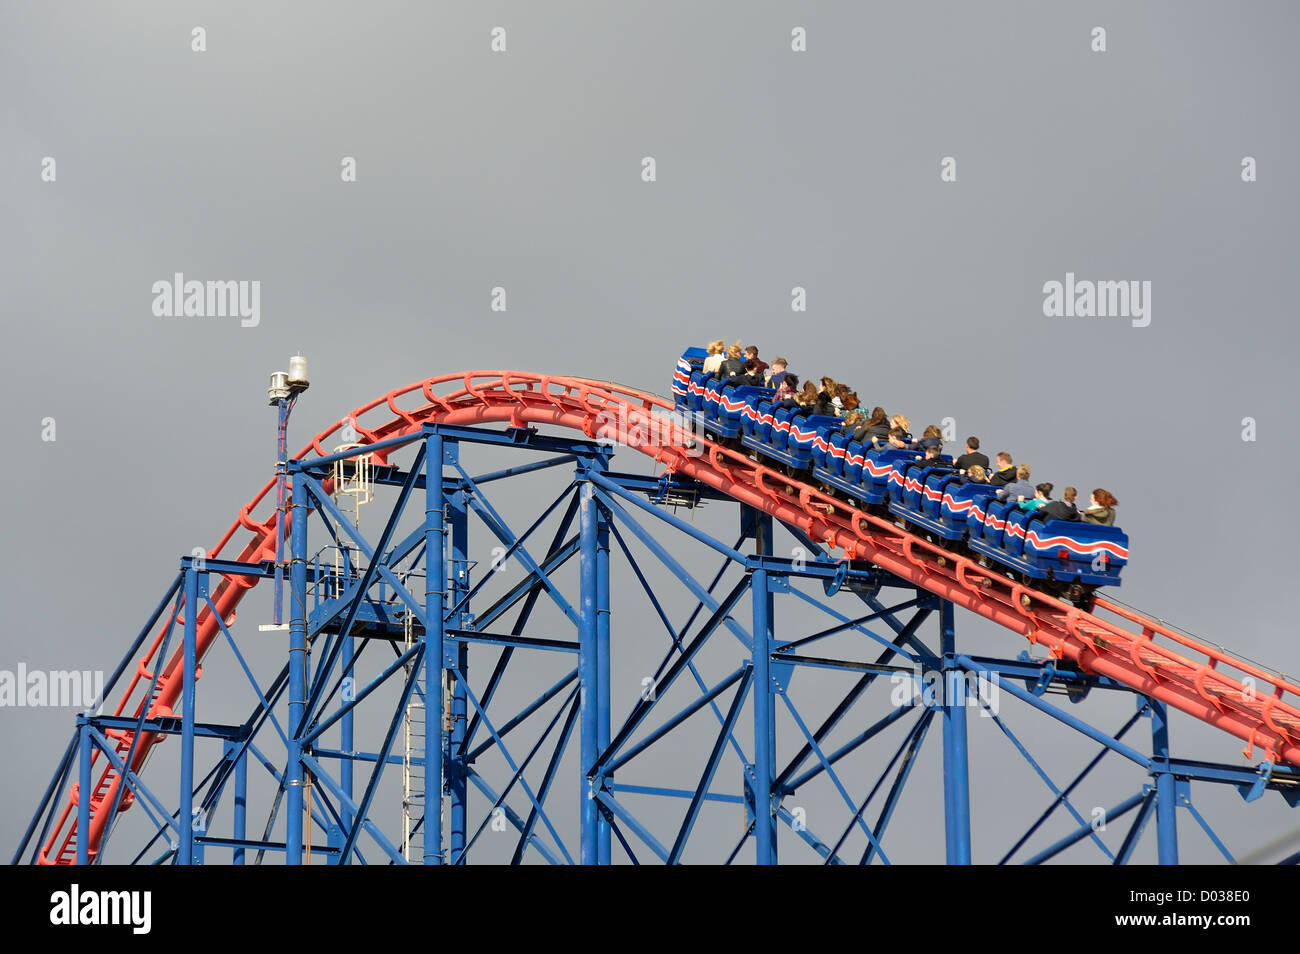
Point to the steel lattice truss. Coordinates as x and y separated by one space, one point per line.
419 592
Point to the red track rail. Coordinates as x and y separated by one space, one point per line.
1203 681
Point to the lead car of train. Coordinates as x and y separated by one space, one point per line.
1063 558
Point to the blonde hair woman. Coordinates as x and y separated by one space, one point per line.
714 360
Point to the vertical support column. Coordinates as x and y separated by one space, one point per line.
435 583
459 519
241 802
346 734
83 789
185 817
764 720
603 833
1166 787
293 780
956 780
588 673
758 525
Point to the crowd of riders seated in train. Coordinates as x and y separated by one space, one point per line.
830 398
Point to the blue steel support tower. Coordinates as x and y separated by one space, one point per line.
557 766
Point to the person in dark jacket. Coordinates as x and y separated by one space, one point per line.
825 405
751 353
972 456
1005 473
1101 508
876 427
1018 488
751 375
1063 509
733 364
933 457
931 437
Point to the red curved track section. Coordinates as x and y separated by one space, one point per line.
1259 707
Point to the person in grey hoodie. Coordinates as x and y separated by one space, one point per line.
1018 489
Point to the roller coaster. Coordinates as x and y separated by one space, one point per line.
794 739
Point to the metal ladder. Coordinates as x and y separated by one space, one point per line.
413 776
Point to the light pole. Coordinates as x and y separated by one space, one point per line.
283 394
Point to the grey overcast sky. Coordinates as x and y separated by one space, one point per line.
775 169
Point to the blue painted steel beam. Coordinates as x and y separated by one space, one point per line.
186 852
856 742
373 566
1205 826
55 789
363 821
631 822
170 725
908 745
114 807
1062 798
321 464
548 779
764 722
830 773
542 848
661 792
1130 753
673 635
791 645
1074 783
1017 669
1083 831
1166 799
900 780
710 769
604 840
137 785
643 706
694 707
519 437
297 670
363 809
956 777
588 677
1135 832
509 553
661 553
239 822
455 662
518 774
435 602
523 783
519 717
613 490
906 633
323 725
516 642
516 549
530 591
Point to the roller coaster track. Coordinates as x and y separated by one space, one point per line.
1257 706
